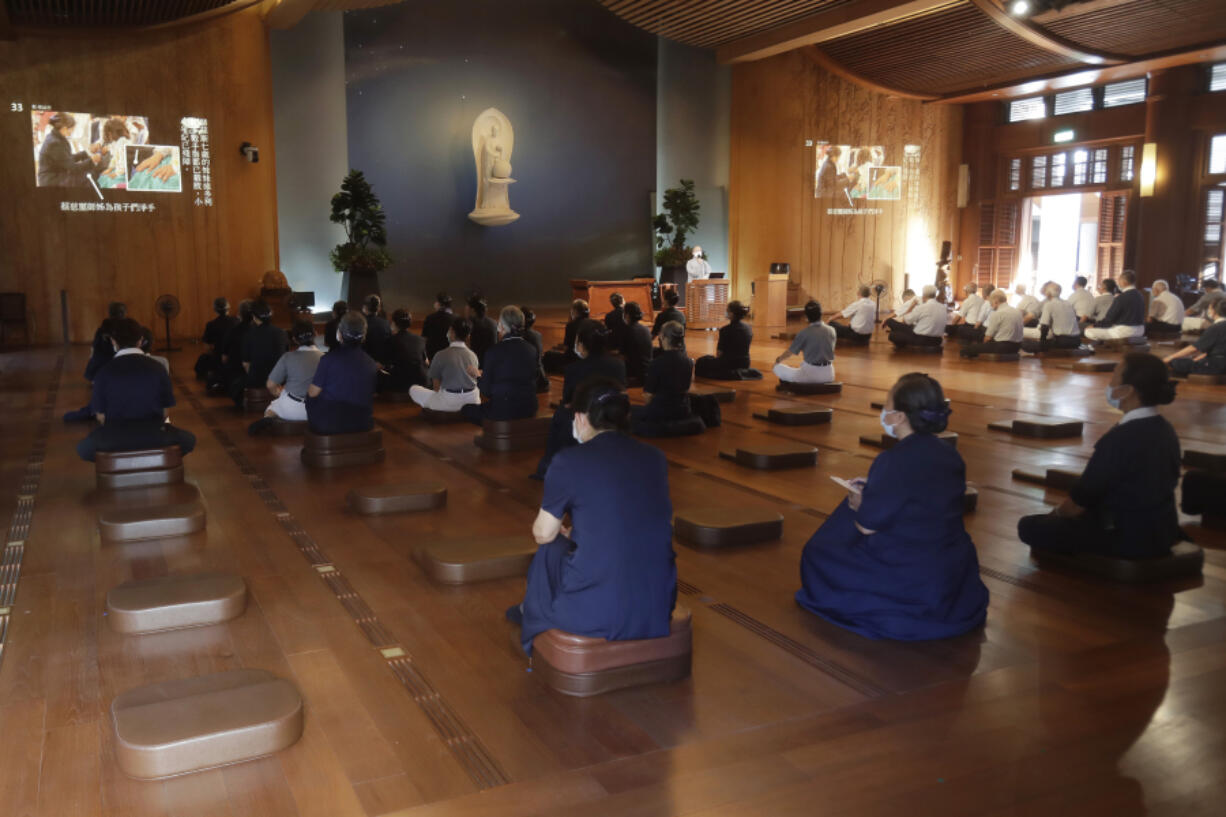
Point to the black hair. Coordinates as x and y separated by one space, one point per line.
529 317
921 398
604 402
737 311
62 120
221 306
461 328
634 312
594 338
580 308
372 304
116 310
863 291
1111 286
303 333
813 312
1080 281
352 328
1149 376
402 318
671 297
244 309
260 309
617 300
146 338
126 333
1211 283
443 300
339 309
477 304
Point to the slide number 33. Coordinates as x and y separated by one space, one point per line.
16 107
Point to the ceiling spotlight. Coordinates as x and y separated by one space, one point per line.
1019 8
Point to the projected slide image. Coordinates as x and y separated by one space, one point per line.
84 150
885 183
154 168
844 171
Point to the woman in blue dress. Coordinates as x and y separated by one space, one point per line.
612 573
894 560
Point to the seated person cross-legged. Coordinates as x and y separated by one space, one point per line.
405 357
1166 310
636 344
1125 317
508 377
1199 316
894 559
102 350
1059 327
1124 503
533 337
592 363
213 337
132 395
341 397
233 376
615 321
923 325
263 346
666 386
969 324
612 574
484 333
670 312
731 358
861 315
453 373
1208 354
815 344
290 380
1002 331
437 324
558 358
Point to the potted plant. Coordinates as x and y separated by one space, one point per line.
681 206
362 256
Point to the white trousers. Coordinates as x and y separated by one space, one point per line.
805 373
443 400
1195 324
286 408
1031 333
1115 332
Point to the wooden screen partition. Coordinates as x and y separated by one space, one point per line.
706 303
1112 226
996 255
597 293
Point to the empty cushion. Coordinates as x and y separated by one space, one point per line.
770 456
1043 428
192 724
129 524
476 559
397 497
797 415
1080 351
1094 364
175 602
809 388
339 450
117 470
1185 561
582 666
721 394
1058 478
727 526
514 435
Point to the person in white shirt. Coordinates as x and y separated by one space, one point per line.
924 325
1002 330
697 267
1199 315
968 310
1081 299
1165 311
906 302
971 329
1107 290
1028 305
862 315
1058 326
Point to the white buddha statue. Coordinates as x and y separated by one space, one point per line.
493 141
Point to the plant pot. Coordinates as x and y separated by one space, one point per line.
358 283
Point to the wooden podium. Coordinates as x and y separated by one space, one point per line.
706 303
597 293
770 303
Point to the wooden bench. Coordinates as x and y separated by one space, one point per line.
885 441
727 526
131 524
1057 478
581 666
1185 561
477 559
192 724
1094 364
175 602
796 415
788 387
514 435
772 456
339 450
400 497
117 470
1046 429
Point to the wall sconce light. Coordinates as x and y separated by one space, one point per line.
1149 168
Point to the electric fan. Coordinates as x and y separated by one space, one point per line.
168 307
879 287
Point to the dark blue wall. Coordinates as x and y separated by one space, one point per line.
579 87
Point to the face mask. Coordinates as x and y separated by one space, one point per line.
576 351
886 427
1112 400
574 431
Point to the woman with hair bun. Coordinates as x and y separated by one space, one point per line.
894 559
1124 503
612 573
731 358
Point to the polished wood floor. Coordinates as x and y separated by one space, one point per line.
1077 697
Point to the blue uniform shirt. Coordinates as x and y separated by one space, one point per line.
132 388
347 374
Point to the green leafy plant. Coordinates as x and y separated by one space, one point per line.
671 230
357 209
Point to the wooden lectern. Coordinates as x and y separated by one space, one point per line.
706 303
770 303
597 293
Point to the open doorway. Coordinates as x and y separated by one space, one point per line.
1059 240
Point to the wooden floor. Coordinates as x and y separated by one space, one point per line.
1077 697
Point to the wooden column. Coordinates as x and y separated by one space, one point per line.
1165 224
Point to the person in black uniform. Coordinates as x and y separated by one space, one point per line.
341 397
534 337
667 387
1124 503
615 321
562 355
101 353
378 330
508 377
132 395
670 312
731 358
636 345
263 346
592 363
434 329
485 329
338 311
214 335
232 373
1208 354
406 356
1126 316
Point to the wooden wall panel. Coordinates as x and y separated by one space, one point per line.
218 70
778 104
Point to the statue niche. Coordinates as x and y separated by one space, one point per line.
493 141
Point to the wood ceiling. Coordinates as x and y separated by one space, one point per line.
54 16
941 48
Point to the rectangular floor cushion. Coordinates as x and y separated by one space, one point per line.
399 497
338 450
514 435
1186 560
727 526
175 602
116 470
476 559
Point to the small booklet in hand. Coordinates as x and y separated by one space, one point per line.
855 486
